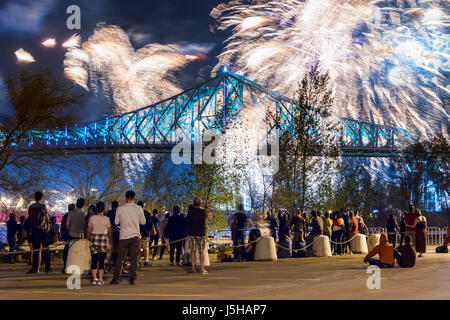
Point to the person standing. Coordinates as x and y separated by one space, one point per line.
75 225
53 236
420 224
328 226
22 233
241 223
162 230
100 237
129 216
12 229
196 234
410 218
39 220
338 226
391 227
154 238
175 231
65 235
273 225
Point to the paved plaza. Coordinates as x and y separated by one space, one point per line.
337 277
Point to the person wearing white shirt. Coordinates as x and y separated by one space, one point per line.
128 216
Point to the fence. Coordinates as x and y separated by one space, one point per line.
435 236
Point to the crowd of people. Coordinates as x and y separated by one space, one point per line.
125 232
128 231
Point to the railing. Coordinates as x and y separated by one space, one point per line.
376 230
434 236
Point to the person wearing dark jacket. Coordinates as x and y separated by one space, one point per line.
402 229
196 232
11 235
298 226
406 254
174 232
54 231
273 225
65 235
391 227
346 235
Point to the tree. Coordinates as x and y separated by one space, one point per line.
420 163
39 101
305 146
93 177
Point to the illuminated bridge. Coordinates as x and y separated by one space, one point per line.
158 127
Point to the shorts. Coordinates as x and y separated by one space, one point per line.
195 243
144 242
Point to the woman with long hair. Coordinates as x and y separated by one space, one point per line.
421 233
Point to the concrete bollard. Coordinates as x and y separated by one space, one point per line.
359 244
372 241
265 249
321 246
79 255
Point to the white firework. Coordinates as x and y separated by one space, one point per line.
130 78
387 62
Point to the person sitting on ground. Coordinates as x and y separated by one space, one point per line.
298 225
405 254
242 221
385 252
100 237
54 231
317 228
196 234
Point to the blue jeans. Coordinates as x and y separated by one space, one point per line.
376 262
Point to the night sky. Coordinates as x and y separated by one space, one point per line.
27 23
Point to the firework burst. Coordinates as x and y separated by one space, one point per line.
386 63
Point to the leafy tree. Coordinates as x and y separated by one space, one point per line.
38 101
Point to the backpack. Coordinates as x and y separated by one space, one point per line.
44 224
442 249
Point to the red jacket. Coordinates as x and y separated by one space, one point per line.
410 217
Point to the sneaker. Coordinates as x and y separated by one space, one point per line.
204 272
147 264
155 258
132 282
171 264
100 282
95 282
114 282
178 264
30 272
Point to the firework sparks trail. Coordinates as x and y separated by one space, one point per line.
131 79
50 42
73 42
23 56
387 63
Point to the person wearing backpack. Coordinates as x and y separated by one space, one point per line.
40 227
